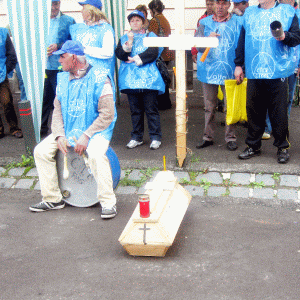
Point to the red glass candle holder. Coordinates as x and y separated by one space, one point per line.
144 201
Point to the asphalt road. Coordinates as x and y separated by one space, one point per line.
233 249
226 248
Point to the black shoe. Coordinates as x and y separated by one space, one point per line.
232 146
2 135
249 152
44 206
204 144
283 156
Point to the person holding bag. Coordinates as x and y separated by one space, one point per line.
141 80
161 27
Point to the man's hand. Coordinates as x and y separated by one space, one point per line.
81 144
52 48
130 60
63 144
280 38
214 34
239 75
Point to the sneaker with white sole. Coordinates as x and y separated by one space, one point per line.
44 206
155 145
266 136
108 213
133 143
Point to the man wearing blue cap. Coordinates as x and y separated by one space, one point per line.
84 117
239 6
59 32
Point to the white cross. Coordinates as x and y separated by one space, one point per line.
180 42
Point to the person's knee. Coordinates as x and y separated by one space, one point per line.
38 151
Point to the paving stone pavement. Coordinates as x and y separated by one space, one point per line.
212 184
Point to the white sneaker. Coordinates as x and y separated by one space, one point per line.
266 136
108 213
155 145
133 144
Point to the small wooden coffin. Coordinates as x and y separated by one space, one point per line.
154 235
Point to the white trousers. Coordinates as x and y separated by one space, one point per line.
44 154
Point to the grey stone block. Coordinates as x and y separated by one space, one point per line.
24 184
37 187
285 194
182 175
216 191
240 178
195 190
239 192
267 179
6 183
33 172
213 177
142 189
126 190
135 175
264 193
2 170
16 172
122 175
289 180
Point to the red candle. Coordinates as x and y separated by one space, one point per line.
144 201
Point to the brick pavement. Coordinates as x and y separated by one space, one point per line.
277 187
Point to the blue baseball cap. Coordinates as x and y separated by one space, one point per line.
55 0
72 47
96 3
239 1
136 13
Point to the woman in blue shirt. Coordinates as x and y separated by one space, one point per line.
96 35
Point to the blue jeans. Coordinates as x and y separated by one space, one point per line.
21 83
140 102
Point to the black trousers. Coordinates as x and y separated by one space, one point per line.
271 95
48 98
140 102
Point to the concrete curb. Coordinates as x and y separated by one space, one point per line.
274 187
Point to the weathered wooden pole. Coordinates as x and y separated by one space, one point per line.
181 118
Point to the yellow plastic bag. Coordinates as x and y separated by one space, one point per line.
236 101
220 94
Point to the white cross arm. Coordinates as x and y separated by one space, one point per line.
181 42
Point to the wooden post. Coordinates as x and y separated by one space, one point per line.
180 87
180 43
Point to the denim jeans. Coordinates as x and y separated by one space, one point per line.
144 101
21 83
